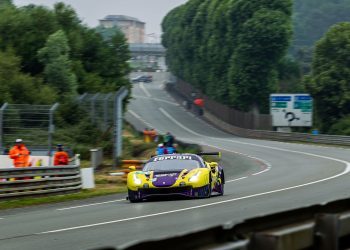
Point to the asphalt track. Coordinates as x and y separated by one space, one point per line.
262 177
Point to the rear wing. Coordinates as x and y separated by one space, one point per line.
210 153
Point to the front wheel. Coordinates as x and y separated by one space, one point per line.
133 196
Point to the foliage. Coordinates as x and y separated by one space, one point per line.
5 3
341 127
312 18
58 70
18 87
100 190
330 77
230 49
48 55
98 65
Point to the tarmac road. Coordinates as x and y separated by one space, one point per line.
263 177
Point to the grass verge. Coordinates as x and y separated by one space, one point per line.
133 148
100 190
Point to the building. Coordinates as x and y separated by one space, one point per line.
133 29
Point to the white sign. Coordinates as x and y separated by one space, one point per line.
291 110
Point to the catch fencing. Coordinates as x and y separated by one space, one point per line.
32 123
100 107
38 181
106 112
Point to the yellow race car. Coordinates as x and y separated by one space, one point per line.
176 174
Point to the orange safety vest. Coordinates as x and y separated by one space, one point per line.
20 156
60 158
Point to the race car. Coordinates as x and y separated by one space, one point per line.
176 174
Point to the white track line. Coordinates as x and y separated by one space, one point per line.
156 99
346 171
266 163
238 179
142 120
142 86
200 135
89 205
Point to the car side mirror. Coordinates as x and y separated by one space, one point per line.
132 168
213 166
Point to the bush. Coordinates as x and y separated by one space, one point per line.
342 127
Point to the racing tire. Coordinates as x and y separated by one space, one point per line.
209 191
133 197
202 192
222 185
221 189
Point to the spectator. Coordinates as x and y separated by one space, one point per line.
170 150
20 155
161 150
61 157
146 135
168 140
154 135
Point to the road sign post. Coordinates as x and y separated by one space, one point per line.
291 110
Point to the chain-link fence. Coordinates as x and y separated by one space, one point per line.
100 108
31 123
105 111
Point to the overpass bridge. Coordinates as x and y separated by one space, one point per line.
148 55
147 49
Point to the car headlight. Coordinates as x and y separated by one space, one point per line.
194 178
137 180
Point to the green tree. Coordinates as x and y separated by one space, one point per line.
58 67
17 87
261 46
312 19
330 77
5 3
229 49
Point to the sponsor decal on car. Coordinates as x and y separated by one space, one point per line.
173 157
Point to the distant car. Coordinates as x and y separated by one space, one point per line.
176 174
142 78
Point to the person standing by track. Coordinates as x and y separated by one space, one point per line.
20 155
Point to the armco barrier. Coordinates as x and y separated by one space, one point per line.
321 227
266 134
279 136
36 181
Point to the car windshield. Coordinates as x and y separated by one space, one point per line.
172 163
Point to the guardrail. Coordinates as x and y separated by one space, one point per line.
321 227
280 136
37 181
266 134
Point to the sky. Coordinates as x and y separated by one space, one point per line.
90 11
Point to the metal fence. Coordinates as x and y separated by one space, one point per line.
100 107
32 123
106 111
37 181
231 116
215 114
278 136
